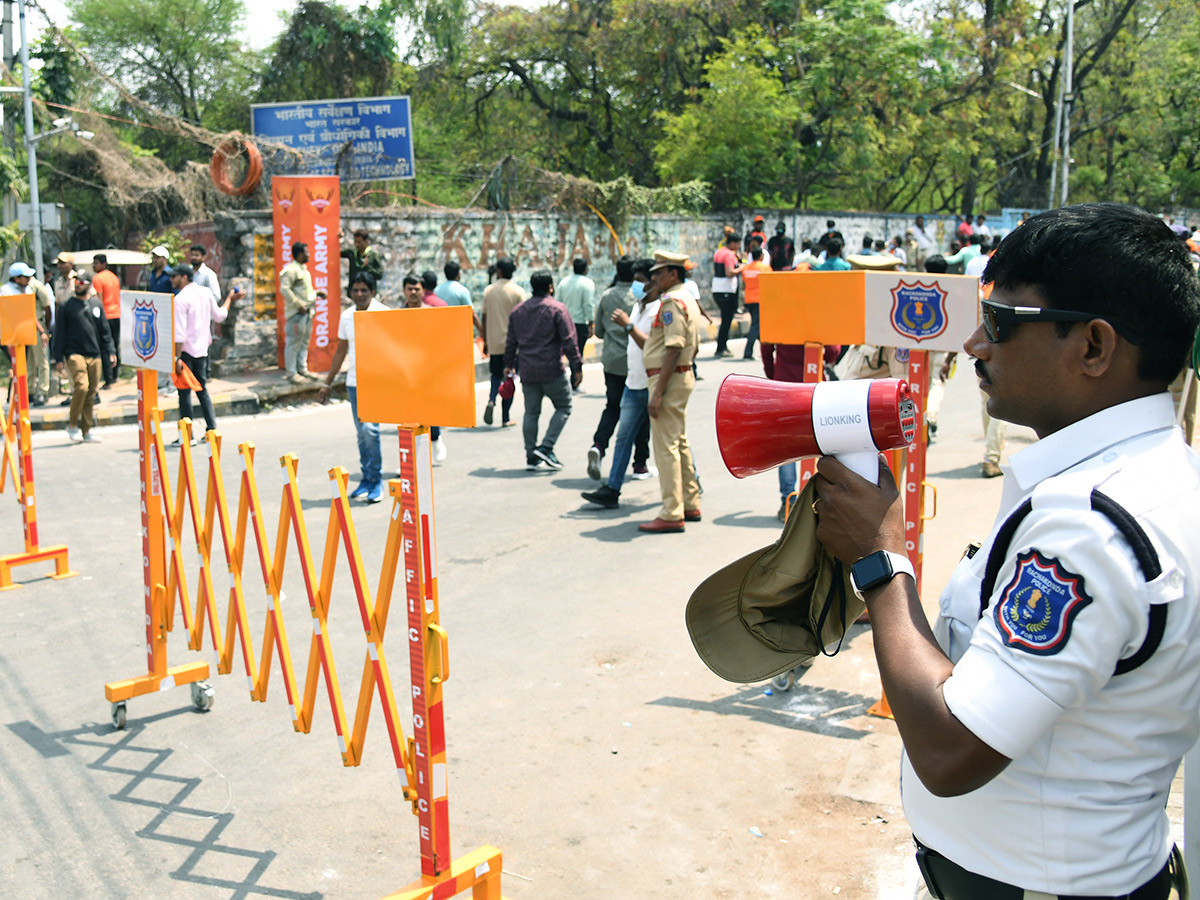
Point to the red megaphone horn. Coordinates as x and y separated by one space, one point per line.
762 424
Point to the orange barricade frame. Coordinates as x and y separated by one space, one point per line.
18 330
173 518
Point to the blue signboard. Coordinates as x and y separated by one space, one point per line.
361 139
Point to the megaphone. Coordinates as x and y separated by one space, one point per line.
762 424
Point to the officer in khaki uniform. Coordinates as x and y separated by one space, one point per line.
671 346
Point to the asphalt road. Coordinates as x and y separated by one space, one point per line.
586 739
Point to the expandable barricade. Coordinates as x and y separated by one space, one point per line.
19 330
186 518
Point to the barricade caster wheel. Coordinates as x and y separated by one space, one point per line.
202 695
118 715
785 681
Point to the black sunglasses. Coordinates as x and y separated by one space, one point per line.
998 320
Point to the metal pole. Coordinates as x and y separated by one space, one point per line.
1068 98
1054 153
31 147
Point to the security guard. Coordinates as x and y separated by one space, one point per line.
1046 712
670 347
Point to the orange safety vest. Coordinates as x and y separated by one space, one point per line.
750 276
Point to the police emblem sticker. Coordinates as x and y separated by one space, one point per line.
1036 610
667 317
919 310
145 330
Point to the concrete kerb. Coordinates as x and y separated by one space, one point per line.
255 392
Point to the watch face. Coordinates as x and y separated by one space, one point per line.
871 571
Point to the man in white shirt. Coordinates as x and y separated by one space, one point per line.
195 310
370 457
925 242
202 274
1046 712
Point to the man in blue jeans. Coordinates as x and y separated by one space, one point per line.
370 458
540 333
635 400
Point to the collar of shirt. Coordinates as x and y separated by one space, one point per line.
1055 453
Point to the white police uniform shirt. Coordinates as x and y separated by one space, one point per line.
1080 809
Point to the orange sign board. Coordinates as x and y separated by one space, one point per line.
308 209
915 310
18 320
416 366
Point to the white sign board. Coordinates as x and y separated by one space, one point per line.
919 311
147 330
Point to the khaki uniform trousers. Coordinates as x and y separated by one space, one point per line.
38 363
672 455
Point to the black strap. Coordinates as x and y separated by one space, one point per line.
836 590
1134 535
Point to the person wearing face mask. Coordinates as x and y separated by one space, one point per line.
781 249
633 434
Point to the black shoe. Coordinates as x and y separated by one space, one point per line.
603 496
546 455
37 401
532 463
66 402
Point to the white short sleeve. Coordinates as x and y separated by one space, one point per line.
1068 604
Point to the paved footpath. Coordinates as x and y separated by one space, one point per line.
586 739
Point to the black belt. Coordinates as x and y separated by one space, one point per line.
947 880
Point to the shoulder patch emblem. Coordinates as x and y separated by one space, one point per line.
667 317
1036 609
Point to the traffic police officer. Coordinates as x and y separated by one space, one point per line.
1047 711
671 346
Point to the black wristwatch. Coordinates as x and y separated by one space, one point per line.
629 328
878 569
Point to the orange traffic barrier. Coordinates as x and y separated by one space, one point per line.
17 331
185 516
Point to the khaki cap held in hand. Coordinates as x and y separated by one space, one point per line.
775 608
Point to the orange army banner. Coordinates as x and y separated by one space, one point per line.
308 209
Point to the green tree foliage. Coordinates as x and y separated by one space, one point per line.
176 54
738 135
329 52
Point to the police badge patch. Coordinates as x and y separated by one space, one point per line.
1035 612
667 317
145 329
919 310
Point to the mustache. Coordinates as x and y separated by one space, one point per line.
981 370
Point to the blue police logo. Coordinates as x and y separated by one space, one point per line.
901 354
919 310
145 329
667 317
1036 610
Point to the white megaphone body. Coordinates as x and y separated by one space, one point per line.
762 424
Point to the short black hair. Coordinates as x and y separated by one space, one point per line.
429 279
806 244
833 248
452 270
505 267
299 247
975 238
642 266
361 232
410 278
580 265
625 269
364 277
733 237
541 281
829 223
201 249
101 257
1116 261
936 264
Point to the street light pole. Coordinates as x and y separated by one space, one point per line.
31 147
1068 98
